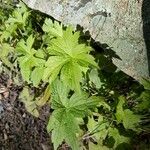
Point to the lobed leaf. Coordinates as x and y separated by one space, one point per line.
53 28
30 65
68 58
63 121
126 116
119 139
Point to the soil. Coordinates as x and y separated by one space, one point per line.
19 130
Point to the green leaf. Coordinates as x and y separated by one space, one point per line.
98 129
95 79
146 83
29 102
27 61
40 54
7 33
86 60
53 66
97 146
63 126
36 75
19 16
101 102
126 116
53 28
144 99
30 42
25 70
72 58
5 50
18 20
113 132
63 121
59 94
45 97
71 75
144 103
24 48
119 110
130 120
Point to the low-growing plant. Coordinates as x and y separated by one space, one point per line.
85 113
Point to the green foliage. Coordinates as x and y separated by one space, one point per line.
146 83
29 101
126 116
98 128
53 28
5 50
119 139
94 78
144 104
58 69
17 21
67 56
27 60
63 121
145 101
101 130
6 7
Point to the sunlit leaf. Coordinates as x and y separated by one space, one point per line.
66 47
27 61
63 121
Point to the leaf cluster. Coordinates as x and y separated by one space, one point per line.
51 60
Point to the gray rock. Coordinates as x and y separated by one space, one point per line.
118 23
1 109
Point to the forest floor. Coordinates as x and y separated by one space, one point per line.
19 130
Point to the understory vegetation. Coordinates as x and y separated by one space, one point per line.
93 104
